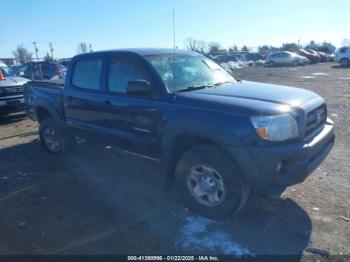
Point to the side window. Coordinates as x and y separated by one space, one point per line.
23 68
87 73
119 73
343 50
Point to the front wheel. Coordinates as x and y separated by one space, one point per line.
210 183
51 137
344 62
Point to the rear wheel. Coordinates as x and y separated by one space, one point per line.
271 63
52 137
210 183
344 62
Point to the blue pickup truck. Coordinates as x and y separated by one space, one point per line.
217 138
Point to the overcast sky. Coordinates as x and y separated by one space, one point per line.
108 24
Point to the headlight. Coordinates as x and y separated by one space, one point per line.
276 128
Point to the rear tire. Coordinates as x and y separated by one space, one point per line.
210 183
271 63
52 137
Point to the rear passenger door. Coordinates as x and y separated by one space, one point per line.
84 101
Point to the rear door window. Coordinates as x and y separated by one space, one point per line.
87 74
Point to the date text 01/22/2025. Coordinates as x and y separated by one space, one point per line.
173 258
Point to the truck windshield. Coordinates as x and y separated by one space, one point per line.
188 72
6 71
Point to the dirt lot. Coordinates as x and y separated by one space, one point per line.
102 201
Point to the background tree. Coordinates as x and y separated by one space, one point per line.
233 49
215 47
289 47
196 45
264 48
48 57
22 55
82 48
245 49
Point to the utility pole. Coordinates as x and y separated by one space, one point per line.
36 51
51 50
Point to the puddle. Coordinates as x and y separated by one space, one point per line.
206 235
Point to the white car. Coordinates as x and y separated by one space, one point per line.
342 56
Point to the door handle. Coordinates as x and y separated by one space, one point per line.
70 98
108 103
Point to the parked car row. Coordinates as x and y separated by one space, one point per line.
41 71
299 57
308 55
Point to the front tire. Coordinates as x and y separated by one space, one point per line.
51 137
344 62
210 183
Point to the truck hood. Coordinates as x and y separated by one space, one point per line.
13 81
252 96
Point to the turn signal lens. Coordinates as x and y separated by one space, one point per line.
262 132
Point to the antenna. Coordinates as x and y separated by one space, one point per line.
51 50
174 35
174 50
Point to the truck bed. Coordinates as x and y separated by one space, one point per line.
37 93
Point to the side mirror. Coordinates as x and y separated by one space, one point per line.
21 73
139 88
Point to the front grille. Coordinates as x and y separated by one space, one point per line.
315 119
11 91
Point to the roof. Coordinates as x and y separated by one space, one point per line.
147 51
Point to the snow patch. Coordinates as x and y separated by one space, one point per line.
204 234
320 74
307 77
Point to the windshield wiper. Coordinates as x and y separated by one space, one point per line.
192 88
222 83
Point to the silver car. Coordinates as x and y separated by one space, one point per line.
11 90
286 58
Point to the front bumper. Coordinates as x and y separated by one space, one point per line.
268 169
11 102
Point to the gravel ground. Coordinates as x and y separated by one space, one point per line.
102 201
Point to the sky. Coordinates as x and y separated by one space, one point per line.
110 24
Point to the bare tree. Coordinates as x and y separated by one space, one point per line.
22 55
82 48
196 45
